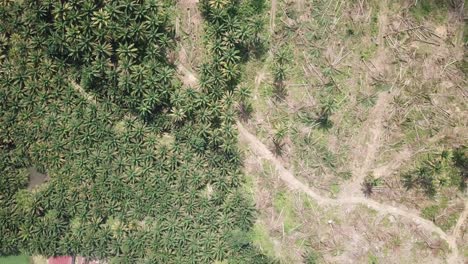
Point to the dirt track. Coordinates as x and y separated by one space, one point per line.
368 145
272 16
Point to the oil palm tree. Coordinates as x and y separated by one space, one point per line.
127 51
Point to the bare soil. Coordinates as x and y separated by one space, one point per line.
36 178
272 16
187 76
189 29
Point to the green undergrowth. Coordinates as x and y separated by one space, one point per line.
436 10
262 239
437 214
284 206
22 259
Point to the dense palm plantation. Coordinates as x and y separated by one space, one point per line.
149 172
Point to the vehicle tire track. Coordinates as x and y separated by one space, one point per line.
360 167
457 230
272 16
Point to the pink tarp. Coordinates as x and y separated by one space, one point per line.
60 260
69 260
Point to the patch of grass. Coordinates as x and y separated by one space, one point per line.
345 175
333 214
262 239
374 25
381 86
368 52
249 185
386 222
430 212
311 257
414 128
463 66
436 213
367 101
308 203
251 69
363 209
266 90
465 39
372 259
283 204
395 242
430 9
268 171
465 251
21 259
335 189
450 221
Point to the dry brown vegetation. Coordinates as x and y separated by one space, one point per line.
399 94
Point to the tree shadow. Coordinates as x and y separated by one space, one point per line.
278 148
245 111
324 122
279 90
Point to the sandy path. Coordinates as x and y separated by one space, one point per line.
186 76
367 145
261 75
89 97
461 220
262 151
457 230
272 16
